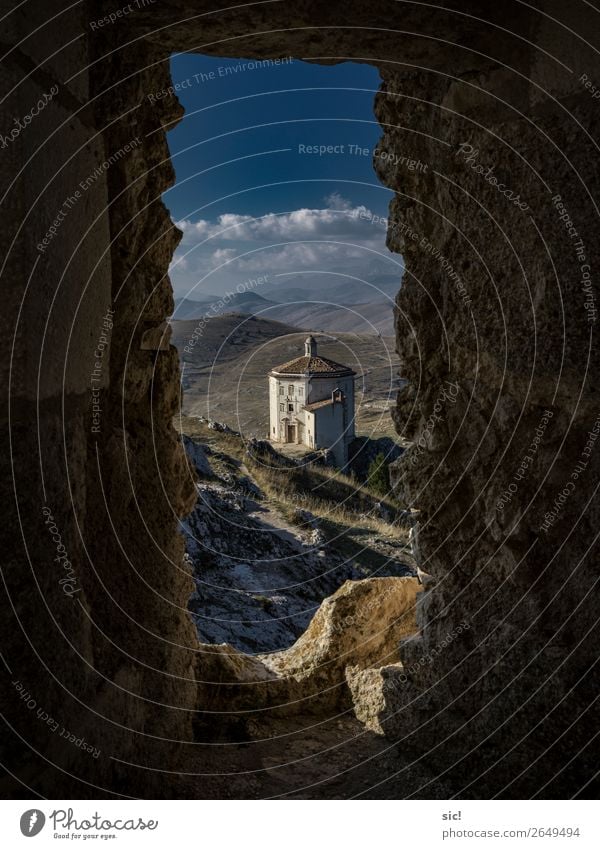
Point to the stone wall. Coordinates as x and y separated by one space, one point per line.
495 327
114 661
96 631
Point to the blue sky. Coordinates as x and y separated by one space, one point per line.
251 197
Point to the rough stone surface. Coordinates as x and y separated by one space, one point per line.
313 675
372 690
361 625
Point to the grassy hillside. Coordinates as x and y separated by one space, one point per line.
348 511
365 319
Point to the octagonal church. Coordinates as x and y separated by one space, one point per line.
311 400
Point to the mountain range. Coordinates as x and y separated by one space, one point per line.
336 308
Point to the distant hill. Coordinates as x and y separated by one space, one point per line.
245 302
373 317
224 337
343 292
191 308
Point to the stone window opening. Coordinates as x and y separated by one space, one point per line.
290 395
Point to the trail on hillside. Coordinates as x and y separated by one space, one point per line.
261 571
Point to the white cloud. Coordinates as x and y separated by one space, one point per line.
338 237
339 219
336 201
302 256
222 255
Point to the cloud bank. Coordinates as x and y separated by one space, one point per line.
339 238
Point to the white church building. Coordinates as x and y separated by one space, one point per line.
311 402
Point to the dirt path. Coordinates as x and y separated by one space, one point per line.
266 513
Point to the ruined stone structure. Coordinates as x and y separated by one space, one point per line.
500 238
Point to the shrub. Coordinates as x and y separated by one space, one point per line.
378 476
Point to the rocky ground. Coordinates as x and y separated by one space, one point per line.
262 562
304 758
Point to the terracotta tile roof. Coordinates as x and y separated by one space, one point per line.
318 404
312 365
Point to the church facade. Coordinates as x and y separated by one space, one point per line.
311 403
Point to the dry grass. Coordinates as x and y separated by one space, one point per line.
344 508
325 493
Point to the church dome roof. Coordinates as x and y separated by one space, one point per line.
317 366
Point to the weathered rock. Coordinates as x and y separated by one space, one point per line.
197 454
373 691
220 427
318 672
361 625
258 580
